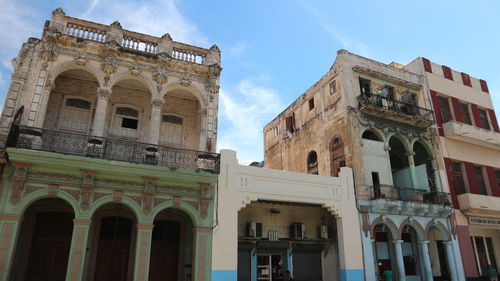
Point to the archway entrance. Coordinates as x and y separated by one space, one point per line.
171 247
45 241
384 249
113 241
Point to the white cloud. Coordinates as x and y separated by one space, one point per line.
238 49
155 18
347 42
244 112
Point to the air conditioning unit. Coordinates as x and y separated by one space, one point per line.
325 232
297 230
254 229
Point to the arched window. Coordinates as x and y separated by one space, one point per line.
75 115
337 156
172 130
125 122
312 163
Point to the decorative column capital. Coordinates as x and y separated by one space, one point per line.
423 242
448 242
397 241
144 226
410 153
156 102
81 222
104 92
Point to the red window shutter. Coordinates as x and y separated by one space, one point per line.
288 123
475 114
466 79
456 110
451 182
484 86
437 112
471 176
427 65
209 144
495 190
493 120
447 72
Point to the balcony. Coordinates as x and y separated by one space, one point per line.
477 204
113 149
409 201
471 134
382 107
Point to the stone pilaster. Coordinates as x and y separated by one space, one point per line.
143 251
9 226
154 125
201 255
100 111
78 249
426 259
399 260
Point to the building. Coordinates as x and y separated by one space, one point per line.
108 166
470 141
378 120
271 224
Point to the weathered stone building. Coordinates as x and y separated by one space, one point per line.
108 163
378 120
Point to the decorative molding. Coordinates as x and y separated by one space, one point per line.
53 190
85 203
17 191
185 80
82 58
74 193
117 196
195 204
160 75
177 201
136 69
136 199
98 195
204 208
31 188
159 200
56 176
109 65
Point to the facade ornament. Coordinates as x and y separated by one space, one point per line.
58 11
211 86
50 85
53 190
108 64
164 58
185 80
136 69
160 75
86 192
205 188
17 190
107 77
117 196
214 70
81 59
116 24
203 208
215 48
166 36
177 201
156 102
48 53
104 92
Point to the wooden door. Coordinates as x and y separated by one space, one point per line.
50 246
114 249
164 263
75 115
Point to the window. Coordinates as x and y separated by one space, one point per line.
125 122
484 119
75 115
290 123
171 130
333 87
480 180
78 103
365 86
337 157
497 175
312 163
311 103
464 109
458 177
276 131
444 107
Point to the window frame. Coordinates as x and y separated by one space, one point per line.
115 115
466 114
76 108
448 109
483 120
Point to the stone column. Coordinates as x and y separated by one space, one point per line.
413 173
49 87
202 114
100 111
450 258
202 254
437 178
9 225
399 259
154 125
143 251
78 249
426 259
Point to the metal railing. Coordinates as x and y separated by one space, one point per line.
114 149
394 105
406 194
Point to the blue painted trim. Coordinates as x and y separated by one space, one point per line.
352 275
224 275
254 265
289 260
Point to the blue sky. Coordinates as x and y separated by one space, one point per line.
272 51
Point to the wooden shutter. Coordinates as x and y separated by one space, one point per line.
437 112
471 176
484 86
475 114
493 120
447 72
451 182
456 110
427 65
495 190
288 123
466 79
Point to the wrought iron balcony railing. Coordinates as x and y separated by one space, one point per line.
395 106
394 193
113 149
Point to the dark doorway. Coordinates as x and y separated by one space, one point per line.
164 264
50 246
114 249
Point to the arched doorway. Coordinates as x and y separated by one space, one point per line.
410 251
423 167
437 253
337 156
400 169
44 241
113 243
384 249
171 247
